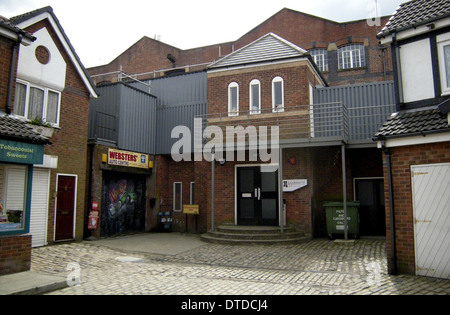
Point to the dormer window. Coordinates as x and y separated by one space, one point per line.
278 94
255 97
351 56
233 99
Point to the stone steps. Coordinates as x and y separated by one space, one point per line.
231 234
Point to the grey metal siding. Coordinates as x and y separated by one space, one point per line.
367 106
103 123
137 123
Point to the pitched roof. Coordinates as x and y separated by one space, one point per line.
33 17
414 123
13 128
267 48
6 24
414 13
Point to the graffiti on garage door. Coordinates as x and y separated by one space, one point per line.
123 208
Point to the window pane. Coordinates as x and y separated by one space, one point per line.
19 102
52 107
13 180
278 93
233 99
36 104
447 63
177 197
255 98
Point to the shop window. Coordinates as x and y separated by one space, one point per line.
351 56
233 99
177 197
278 94
13 188
320 57
255 97
37 104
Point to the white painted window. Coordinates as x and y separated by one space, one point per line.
278 94
233 99
444 62
255 97
177 197
37 103
320 57
351 56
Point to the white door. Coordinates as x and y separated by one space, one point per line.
39 207
431 202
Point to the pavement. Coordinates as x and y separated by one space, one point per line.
181 264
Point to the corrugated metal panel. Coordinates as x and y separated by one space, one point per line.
103 114
367 105
267 48
137 121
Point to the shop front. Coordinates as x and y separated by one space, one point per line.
16 176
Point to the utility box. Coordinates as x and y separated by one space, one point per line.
336 219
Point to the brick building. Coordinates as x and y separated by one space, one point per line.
416 140
334 46
48 104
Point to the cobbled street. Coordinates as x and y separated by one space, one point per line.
318 267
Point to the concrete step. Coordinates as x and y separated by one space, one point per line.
230 234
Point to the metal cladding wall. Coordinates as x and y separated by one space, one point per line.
179 100
367 106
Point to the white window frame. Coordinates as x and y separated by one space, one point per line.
252 83
46 91
443 41
277 107
322 63
347 52
231 112
174 197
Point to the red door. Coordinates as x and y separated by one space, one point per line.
65 208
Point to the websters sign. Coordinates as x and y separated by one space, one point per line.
127 159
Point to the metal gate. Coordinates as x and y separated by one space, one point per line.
431 202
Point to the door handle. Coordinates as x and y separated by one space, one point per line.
259 193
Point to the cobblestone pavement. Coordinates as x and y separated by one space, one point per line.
316 267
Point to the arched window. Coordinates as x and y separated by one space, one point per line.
255 97
320 56
278 94
352 56
233 99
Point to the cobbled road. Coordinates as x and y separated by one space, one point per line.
318 267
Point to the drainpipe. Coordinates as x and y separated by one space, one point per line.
391 208
12 71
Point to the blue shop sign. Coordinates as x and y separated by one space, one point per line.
21 152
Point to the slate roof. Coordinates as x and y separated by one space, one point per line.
15 129
267 48
414 13
414 123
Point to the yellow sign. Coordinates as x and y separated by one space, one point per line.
191 209
127 159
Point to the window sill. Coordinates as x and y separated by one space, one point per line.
351 69
43 130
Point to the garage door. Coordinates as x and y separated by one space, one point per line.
39 207
431 200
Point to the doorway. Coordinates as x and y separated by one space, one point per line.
370 193
65 207
257 196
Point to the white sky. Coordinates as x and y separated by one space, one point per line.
100 30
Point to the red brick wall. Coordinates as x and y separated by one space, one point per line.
301 29
15 254
5 63
402 158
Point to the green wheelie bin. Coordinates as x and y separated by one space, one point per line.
335 219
